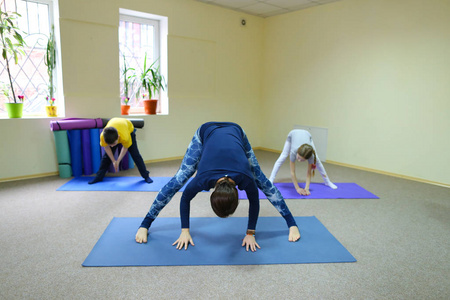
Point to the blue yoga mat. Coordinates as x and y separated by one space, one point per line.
96 154
319 191
116 183
217 242
75 151
86 151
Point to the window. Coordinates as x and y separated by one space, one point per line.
141 36
29 76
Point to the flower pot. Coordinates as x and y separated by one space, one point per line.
51 111
14 110
150 106
125 109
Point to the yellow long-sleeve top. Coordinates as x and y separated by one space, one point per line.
124 128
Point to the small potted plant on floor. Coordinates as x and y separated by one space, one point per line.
151 81
127 81
12 45
50 62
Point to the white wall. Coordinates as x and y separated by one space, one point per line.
375 73
226 89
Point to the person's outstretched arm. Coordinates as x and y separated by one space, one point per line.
249 240
123 151
300 190
185 207
271 191
186 170
308 180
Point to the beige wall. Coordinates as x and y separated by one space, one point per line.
376 73
226 89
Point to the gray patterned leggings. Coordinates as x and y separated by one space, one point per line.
188 168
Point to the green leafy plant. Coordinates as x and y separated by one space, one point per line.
127 80
12 44
50 62
150 79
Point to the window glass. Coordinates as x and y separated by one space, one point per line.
29 76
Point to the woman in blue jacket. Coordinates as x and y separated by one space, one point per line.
223 158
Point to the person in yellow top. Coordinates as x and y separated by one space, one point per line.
119 131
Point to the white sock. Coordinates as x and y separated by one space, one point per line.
330 184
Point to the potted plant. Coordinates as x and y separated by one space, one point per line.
9 32
151 81
158 82
50 62
127 81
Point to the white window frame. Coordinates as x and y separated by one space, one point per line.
160 24
53 15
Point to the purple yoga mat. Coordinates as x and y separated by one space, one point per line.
86 148
75 123
319 191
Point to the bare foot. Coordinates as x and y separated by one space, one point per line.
141 235
294 234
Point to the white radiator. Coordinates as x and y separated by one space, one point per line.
320 137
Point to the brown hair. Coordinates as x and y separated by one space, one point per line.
306 151
110 135
224 199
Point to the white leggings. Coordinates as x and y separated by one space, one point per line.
285 154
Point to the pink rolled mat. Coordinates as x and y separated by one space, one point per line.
75 123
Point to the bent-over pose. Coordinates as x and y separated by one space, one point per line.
119 131
223 158
300 146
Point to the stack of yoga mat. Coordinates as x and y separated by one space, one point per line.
78 148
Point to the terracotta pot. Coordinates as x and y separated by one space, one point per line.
51 111
14 110
150 106
125 109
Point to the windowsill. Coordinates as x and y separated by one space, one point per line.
29 117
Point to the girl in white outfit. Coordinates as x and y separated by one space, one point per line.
300 146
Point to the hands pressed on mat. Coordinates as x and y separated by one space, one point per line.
249 241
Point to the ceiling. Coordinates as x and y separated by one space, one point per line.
266 8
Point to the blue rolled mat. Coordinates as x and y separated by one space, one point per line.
124 164
75 151
130 162
217 242
86 147
63 153
96 153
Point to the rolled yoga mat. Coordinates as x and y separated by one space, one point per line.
75 123
96 153
137 123
63 153
75 152
124 164
217 242
319 191
86 148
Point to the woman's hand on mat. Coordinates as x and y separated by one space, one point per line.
294 234
184 240
249 241
141 235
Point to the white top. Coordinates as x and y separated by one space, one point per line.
296 138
